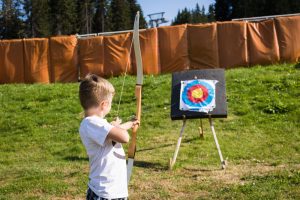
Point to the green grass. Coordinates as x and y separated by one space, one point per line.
41 155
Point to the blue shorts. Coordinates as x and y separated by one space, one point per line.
90 195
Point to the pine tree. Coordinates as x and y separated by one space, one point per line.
85 15
133 8
255 8
294 6
38 19
203 18
196 14
100 17
63 17
119 15
211 13
183 17
10 20
223 10
277 7
203 10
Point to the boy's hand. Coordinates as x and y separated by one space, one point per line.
117 122
130 124
135 122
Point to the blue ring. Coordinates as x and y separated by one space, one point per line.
208 100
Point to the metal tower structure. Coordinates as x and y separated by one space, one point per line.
156 19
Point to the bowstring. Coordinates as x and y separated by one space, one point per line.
124 77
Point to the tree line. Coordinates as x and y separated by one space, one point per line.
224 10
196 15
230 9
44 18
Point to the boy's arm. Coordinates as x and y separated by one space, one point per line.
118 135
129 125
126 125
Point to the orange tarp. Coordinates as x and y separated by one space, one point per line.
91 56
116 54
232 44
149 50
36 60
63 55
164 50
203 46
262 43
288 32
173 48
11 61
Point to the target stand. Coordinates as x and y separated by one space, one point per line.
198 94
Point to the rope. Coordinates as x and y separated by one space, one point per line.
125 74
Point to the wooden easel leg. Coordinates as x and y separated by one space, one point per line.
201 133
223 162
172 161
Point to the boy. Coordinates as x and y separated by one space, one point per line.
102 140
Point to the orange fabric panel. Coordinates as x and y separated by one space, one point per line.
116 54
203 46
36 60
11 61
288 32
262 43
232 44
149 51
91 56
63 55
173 48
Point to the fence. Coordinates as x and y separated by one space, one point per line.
164 49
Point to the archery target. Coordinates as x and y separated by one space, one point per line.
198 95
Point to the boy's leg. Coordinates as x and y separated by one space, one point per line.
90 195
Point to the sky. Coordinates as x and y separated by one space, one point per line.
171 7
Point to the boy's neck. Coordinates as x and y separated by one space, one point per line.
91 112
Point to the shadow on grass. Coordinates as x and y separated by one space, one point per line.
213 169
149 165
167 145
141 164
297 65
76 158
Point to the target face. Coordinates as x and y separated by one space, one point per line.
198 95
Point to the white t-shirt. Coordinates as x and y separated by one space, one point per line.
108 175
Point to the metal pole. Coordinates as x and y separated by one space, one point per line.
223 163
172 161
106 33
263 17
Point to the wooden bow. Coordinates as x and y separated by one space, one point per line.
138 94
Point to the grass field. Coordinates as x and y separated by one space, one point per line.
41 155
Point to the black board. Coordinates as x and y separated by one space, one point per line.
220 111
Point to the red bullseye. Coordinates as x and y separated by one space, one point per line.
202 92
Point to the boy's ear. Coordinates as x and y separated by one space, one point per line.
103 103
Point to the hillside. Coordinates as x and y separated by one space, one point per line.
41 155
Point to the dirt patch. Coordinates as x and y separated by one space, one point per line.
195 183
233 173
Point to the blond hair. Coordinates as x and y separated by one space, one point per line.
93 90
